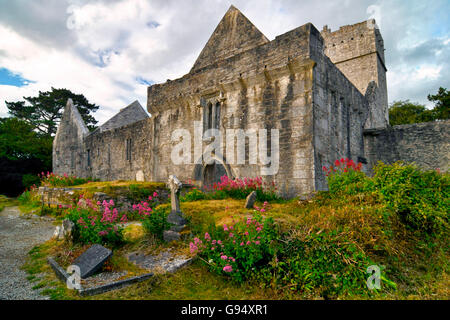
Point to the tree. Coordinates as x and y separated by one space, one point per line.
406 112
23 153
442 104
19 141
44 112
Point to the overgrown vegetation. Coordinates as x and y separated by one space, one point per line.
235 189
51 179
396 219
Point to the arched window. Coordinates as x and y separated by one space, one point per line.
210 117
217 116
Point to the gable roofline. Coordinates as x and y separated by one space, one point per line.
132 113
72 112
234 34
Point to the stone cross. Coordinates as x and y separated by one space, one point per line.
176 217
175 188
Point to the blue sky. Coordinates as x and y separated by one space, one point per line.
111 50
11 79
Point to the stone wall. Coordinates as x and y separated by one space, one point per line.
121 154
358 51
340 112
426 144
69 153
269 87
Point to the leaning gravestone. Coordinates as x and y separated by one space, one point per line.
92 260
250 201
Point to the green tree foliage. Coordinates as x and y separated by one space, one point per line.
442 104
19 141
44 112
406 112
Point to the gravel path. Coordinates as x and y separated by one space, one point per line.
18 235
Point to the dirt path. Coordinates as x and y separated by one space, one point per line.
18 235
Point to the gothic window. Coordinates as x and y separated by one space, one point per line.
128 149
217 116
72 159
209 124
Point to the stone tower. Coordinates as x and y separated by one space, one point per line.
358 52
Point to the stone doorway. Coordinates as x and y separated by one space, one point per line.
212 174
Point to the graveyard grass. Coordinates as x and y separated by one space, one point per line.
415 267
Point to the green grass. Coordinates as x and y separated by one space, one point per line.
7 202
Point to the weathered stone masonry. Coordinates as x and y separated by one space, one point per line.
324 92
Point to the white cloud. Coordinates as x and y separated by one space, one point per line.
101 48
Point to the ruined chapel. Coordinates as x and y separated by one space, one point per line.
324 91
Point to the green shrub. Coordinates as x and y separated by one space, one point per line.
193 195
30 180
156 222
322 263
420 198
238 250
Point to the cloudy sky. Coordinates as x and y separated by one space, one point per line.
111 50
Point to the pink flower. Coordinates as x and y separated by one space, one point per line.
227 268
225 228
207 236
257 242
231 235
224 257
193 247
155 194
242 243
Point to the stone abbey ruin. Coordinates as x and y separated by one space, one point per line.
325 92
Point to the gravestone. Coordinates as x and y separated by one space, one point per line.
250 201
92 260
140 176
175 217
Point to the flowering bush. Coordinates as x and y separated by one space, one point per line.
53 180
144 208
241 188
91 228
346 177
239 249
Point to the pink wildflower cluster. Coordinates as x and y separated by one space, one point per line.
246 183
54 180
143 208
264 208
111 216
236 248
342 165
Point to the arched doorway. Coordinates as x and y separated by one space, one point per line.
212 174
